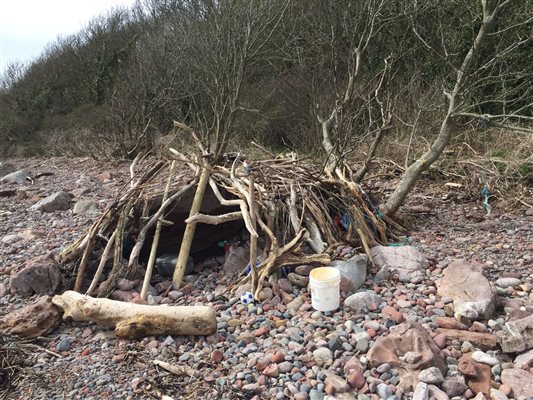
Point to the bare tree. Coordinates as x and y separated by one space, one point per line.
473 73
226 40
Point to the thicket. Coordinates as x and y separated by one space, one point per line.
283 73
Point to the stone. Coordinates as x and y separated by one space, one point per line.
393 313
450 323
33 320
3 290
495 394
58 201
421 392
237 258
520 382
480 396
356 380
295 304
437 394
362 301
407 337
265 294
431 376
122 295
517 336
285 285
18 177
339 385
63 345
352 365
485 358
271 370
166 264
285 367
454 386
125 284
473 297
507 282
383 390
323 356
303 270
38 276
353 272
524 360
485 341
406 261
440 340
298 280
478 375
411 357
11 239
86 207
31 235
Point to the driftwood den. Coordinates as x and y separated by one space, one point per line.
294 213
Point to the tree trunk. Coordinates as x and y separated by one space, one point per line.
412 173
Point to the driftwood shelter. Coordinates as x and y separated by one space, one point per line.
293 211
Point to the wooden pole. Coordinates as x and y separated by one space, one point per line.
188 235
253 239
155 243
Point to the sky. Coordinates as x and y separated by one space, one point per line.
27 26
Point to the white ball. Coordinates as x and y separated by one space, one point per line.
247 298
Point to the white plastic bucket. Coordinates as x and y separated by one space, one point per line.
325 283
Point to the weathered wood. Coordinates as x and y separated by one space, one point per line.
157 234
138 320
188 235
214 219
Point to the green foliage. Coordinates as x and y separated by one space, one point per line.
498 153
525 169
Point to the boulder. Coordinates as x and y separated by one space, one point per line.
406 261
471 292
237 258
40 275
517 336
353 272
19 177
10 239
55 202
478 376
520 381
336 382
454 385
363 301
524 360
409 337
34 320
86 207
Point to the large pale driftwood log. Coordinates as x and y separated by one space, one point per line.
138 320
190 229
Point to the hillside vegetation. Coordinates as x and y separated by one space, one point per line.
287 74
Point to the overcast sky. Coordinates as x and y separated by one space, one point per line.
27 26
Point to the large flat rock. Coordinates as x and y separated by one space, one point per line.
471 292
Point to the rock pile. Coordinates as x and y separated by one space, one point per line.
411 333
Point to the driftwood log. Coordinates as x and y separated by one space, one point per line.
137 320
